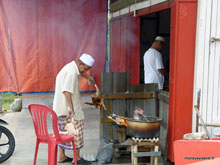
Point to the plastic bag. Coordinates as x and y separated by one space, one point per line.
195 136
105 152
70 124
71 129
16 105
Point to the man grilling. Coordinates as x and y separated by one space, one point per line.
67 101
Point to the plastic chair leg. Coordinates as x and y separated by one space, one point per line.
36 151
52 153
74 152
49 154
55 154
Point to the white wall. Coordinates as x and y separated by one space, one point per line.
48 101
207 61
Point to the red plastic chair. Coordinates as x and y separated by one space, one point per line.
39 115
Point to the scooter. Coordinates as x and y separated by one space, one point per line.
7 142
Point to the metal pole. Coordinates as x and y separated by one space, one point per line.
108 58
198 105
203 123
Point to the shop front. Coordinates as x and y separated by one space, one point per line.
133 27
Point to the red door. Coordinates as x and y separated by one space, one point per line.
182 55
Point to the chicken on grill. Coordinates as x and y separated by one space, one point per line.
97 99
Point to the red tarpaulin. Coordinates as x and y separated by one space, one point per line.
38 37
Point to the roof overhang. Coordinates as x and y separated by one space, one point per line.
124 7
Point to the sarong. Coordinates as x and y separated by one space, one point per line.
79 124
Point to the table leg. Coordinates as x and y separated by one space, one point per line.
156 149
132 154
135 158
152 157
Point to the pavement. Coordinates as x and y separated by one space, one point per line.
20 124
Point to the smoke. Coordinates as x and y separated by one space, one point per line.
131 31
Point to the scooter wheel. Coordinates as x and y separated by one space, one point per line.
7 143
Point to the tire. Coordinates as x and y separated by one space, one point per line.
5 134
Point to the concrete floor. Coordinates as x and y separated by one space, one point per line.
21 126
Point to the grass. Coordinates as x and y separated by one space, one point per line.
6 103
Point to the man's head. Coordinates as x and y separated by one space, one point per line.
158 43
85 62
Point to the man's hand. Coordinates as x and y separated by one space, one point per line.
69 101
164 72
70 111
91 81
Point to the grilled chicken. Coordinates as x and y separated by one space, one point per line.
97 99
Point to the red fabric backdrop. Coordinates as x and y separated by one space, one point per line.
38 37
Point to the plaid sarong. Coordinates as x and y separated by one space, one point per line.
79 125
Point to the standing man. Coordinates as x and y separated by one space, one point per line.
154 71
67 100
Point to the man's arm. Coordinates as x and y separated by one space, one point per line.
69 100
85 75
89 78
164 72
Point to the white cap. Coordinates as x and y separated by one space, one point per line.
159 38
87 59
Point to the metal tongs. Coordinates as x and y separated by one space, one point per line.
117 119
111 117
